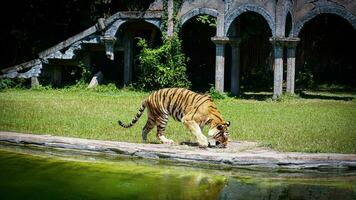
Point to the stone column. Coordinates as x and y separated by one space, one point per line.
278 67
291 44
220 22
109 42
219 62
235 66
34 82
128 58
170 25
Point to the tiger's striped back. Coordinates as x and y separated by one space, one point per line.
175 102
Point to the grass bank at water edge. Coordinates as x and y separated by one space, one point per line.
293 124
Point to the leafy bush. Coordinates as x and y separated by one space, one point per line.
207 19
7 83
216 94
85 75
162 67
305 78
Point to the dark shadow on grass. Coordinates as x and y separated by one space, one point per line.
255 96
258 95
325 97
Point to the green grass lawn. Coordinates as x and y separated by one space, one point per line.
322 122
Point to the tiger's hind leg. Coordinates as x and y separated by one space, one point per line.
161 128
147 128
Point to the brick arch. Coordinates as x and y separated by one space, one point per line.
198 11
324 10
230 17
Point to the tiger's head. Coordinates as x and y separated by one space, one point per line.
219 135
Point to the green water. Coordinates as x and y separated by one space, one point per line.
48 174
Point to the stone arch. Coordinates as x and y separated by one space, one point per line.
114 28
324 10
230 17
290 13
198 11
198 46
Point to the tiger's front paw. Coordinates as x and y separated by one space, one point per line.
203 144
168 141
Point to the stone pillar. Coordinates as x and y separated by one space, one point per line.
220 22
291 44
128 58
235 66
219 62
34 81
278 67
109 42
96 80
170 25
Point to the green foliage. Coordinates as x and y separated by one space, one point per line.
207 19
85 75
7 83
162 67
109 88
288 97
164 18
177 4
216 94
305 78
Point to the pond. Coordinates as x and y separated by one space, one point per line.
33 173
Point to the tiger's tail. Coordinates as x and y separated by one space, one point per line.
135 119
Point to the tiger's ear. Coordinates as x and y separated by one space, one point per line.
220 127
227 123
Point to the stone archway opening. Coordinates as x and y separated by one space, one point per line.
255 51
289 26
196 34
123 70
324 55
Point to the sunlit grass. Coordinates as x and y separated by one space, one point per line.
293 124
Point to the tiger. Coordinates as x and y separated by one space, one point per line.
192 109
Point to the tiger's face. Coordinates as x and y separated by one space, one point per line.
219 135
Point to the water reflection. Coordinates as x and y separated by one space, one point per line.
283 190
48 174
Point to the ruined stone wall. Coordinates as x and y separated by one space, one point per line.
305 10
275 13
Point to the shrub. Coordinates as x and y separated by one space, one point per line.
7 83
162 67
85 75
216 94
305 78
